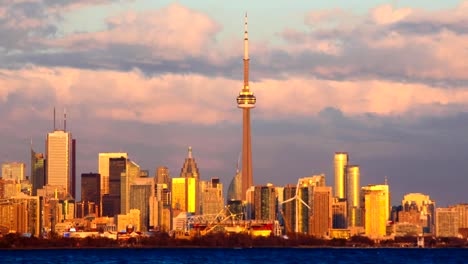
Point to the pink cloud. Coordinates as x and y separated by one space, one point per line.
386 14
173 32
199 99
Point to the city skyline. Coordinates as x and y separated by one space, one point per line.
154 94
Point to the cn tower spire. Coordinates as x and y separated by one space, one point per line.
246 100
246 53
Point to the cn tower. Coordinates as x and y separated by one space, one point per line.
246 100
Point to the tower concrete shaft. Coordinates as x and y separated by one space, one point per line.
246 100
247 177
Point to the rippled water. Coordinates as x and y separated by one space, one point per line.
256 255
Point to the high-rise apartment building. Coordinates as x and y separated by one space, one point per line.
353 200
58 151
339 213
262 202
211 196
321 218
447 222
376 208
341 162
14 171
288 209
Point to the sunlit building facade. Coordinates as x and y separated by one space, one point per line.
185 189
353 200
58 151
14 171
376 210
447 222
103 164
212 199
340 164
418 209
321 218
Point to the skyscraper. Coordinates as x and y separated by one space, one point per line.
353 196
104 168
263 202
13 171
111 202
211 196
321 218
246 100
58 151
341 161
90 192
37 171
234 192
185 189
103 164
376 208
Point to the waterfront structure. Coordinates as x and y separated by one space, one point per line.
14 171
246 100
90 193
38 179
212 199
321 216
340 164
58 152
353 200
376 210
185 189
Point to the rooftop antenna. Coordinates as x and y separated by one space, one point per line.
386 180
54 118
64 119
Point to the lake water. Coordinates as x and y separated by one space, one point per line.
255 255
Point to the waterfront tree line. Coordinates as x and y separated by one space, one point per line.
220 240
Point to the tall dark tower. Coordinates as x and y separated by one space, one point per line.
246 100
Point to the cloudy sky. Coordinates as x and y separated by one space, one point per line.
386 81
